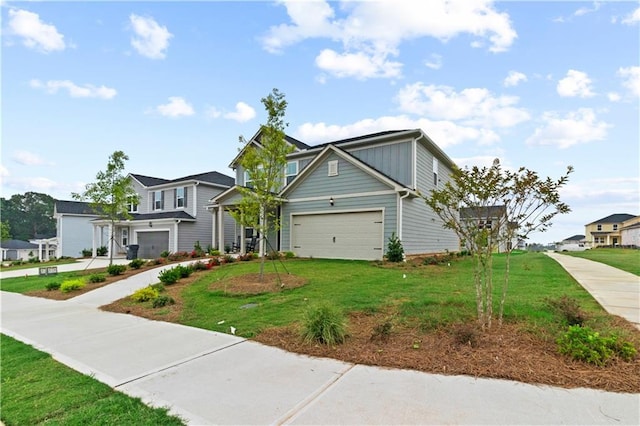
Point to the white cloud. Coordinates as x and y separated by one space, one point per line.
472 106
443 133
576 127
370 32
212 112
585 10
632 18
514 78
4 172
435 62
613 96
358 65
151 39
576 83
176 107
29 159
75 91
631 76
242 113
35 33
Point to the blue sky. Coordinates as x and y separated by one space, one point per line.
542 85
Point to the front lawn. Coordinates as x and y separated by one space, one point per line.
407 316
36 389
625 259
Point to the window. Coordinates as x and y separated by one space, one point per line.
132 208
125 237
599 227
181 197
485 224
247 180
333 168
158 200
615 226
435 171
290 172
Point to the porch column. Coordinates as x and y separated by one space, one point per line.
94 248
221 228
243 239
214 225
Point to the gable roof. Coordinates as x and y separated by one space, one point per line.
255 140
328 149
74 207
212 177
614 218
17 245
575 238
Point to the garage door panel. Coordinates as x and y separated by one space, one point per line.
356 235
152 244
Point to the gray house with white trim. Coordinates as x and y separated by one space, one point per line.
345 199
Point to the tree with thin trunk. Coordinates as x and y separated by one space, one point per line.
491 208
264 165
111 194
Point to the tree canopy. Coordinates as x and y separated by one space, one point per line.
29 216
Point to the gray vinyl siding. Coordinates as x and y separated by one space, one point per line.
394 160
78 235
422 230
143 203
386 203
350 180
202 229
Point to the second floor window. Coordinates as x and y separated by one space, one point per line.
599 227
615 226
133 208
290 172
247 180
435 171
158 200
181 197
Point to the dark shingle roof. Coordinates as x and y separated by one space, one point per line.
614 218
575 238
357 138
148 180
162 215
17 245
209 177
74 207
295 142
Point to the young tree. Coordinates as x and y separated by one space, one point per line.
488 208
111 194
265 168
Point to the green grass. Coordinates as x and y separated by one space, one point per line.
36 390
38 282
28 265
625 259
427 297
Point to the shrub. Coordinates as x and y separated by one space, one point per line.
97 278
71 285
227 258
197 250
568 309
114 269
395 251
169 276
214 252
466 334
273 255
102 251
324 324
289 254
161 301
33 260
382 331
158 286
159 261
214 261
136 263
17 262
144 294
183 271
585 344
52 286
87 252
199 266
245 257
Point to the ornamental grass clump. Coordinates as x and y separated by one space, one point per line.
324 324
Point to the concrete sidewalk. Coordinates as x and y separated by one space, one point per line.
79 265
212 378
617 291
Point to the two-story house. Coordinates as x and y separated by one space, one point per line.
171 216
345 199
494 220
606 231
630 232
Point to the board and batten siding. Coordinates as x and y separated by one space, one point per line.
422 230
394 160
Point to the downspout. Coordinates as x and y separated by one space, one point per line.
400 198
175 235
195 197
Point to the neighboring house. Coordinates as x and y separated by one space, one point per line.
630 232
345 199
573 243
171 216
606 231
493 219
18 250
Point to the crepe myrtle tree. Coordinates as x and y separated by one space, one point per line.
490 207
111 194
264 166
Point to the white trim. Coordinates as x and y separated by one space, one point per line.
414 160
343 196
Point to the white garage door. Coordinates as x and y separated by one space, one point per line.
338 235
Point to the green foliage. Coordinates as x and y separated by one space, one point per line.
585 344
5 230
54 285
71 285
169 276
324 323
395 251
382 331
183 271
568 309
199 265
86 252
27 215
114 269
227 258
144 294
102 251
274 255
289 255
136 263
163 300
197 250
214 252
621 258
165 254
97 278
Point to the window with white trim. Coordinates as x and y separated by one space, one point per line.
158 200
125 237
132 208
247 180
290 172
435 171
332 168
181 197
